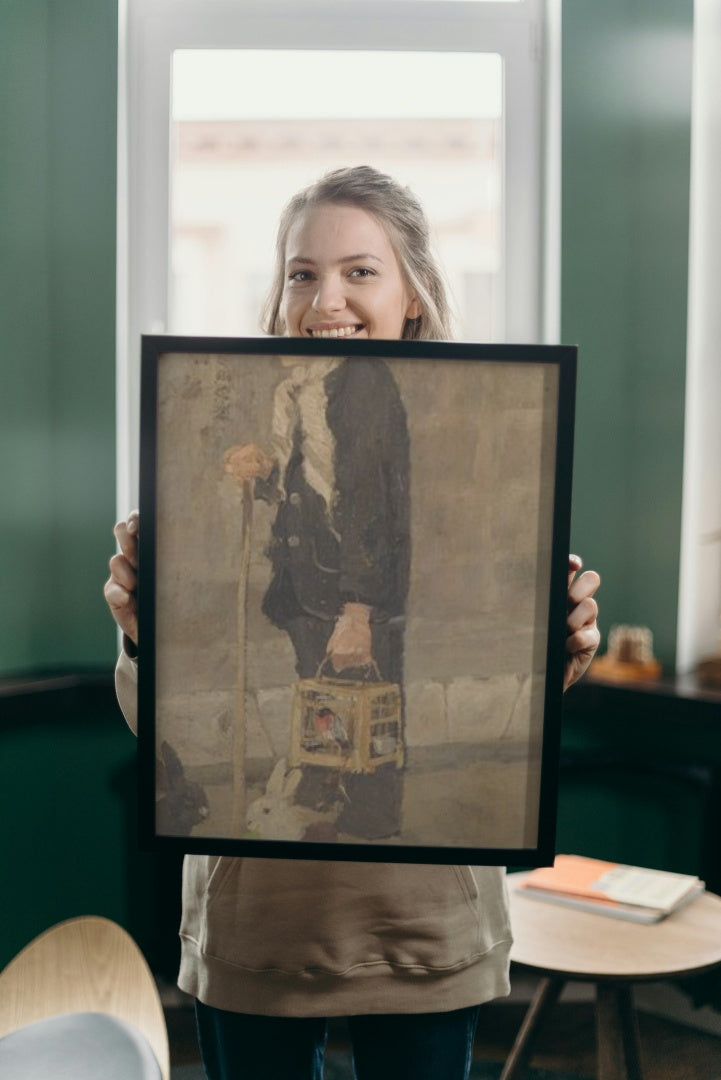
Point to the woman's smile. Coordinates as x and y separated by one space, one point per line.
334 331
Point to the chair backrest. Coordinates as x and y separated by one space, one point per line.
88 964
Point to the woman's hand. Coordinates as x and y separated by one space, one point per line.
121 587
349 645
247 462
583 635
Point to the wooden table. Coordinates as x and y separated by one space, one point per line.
563 944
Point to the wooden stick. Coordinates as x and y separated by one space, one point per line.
238 749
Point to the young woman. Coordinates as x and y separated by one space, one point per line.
272 948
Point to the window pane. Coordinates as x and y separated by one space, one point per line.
252 127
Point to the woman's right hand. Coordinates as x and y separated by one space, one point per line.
247 462
121 587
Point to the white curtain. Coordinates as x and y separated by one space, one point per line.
700 585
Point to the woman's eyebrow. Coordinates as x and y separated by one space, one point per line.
361 257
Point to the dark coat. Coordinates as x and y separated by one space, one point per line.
363 554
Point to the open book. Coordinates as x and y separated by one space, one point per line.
608 888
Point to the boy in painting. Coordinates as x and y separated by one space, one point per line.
340 550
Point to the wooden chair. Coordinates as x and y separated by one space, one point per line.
89 972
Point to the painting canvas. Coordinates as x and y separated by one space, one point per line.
352 596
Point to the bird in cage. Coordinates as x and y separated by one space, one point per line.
331 729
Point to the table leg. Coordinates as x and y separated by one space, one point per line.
545 997
617 1033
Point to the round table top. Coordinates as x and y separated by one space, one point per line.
559 940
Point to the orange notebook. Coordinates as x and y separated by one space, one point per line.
631 892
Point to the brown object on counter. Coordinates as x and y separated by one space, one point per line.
605 667
629 658
709 671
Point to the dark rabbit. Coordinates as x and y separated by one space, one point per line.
181 803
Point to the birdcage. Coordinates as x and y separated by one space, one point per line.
346 724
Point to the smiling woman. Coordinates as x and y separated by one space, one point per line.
353 258
331 292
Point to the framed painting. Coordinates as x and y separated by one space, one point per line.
352 597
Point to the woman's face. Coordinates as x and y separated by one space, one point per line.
342 277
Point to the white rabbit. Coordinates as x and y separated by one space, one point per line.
275 816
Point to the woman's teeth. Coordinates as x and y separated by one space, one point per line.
337 331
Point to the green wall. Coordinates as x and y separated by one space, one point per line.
67 759
58 73
626 146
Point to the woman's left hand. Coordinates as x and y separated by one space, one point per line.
583 635
349 645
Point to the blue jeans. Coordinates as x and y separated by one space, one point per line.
414 1046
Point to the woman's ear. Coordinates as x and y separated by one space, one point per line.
415 309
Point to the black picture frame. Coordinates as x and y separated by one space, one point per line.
455 760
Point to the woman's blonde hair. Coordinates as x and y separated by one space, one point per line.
400 212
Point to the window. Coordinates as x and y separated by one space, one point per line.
235 160
229 106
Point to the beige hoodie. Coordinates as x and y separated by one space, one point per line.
285 937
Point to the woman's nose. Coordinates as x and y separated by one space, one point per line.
329 296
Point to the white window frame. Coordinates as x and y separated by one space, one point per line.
526 34
699 597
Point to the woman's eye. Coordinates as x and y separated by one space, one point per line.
362 272
300 276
